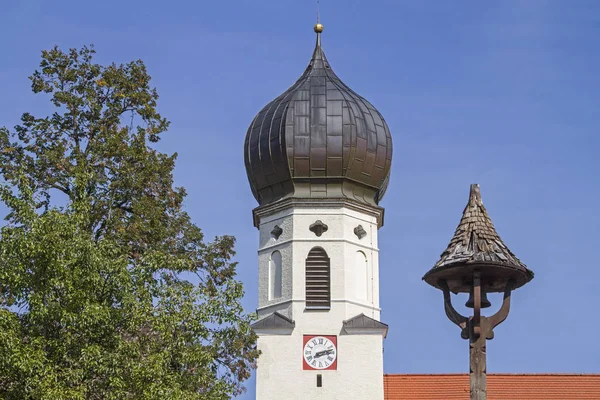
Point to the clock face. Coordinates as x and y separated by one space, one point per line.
319 352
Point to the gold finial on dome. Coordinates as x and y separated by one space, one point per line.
319 28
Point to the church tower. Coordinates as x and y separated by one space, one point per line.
318 160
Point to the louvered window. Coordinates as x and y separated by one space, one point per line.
318 284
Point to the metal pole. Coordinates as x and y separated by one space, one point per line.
478 369
478 329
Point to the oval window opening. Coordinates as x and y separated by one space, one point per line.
275 276
361 279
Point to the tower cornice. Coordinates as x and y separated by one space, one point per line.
323 203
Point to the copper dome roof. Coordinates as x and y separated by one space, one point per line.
319 139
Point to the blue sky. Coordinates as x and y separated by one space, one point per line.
504 94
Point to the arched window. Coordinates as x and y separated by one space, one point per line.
275 278
361 278
318 283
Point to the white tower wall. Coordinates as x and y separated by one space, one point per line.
354 291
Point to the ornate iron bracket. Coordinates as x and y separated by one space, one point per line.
478 324
451 312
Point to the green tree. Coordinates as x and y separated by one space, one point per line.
107 289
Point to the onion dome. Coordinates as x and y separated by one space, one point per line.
477 247
319 139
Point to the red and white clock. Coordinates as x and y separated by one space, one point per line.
319 352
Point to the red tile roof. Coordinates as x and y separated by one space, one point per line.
500 387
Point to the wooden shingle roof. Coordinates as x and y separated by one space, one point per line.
477 245
476 239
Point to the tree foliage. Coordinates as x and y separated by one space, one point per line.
107 289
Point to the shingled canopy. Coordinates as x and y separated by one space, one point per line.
477 247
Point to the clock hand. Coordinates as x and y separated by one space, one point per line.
323 353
